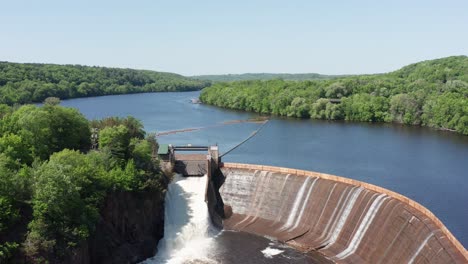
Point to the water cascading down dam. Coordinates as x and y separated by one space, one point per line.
187 229
345 220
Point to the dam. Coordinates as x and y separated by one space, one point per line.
345 220
340 219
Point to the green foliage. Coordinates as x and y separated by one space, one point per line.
65 187
65 202
4 109
9 213
15 182
431 93
14 188
141 153
68 190
407 108
264 76
116 139
324 109
447 111
52 101
48 129
24 82
126 179
6 251
134 126
14 147
366 108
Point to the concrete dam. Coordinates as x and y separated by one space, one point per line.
341 219
345 220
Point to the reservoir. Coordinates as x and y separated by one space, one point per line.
428 166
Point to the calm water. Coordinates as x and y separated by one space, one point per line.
428 166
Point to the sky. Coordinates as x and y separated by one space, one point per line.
218 37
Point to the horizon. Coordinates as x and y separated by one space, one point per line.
211 38
242 73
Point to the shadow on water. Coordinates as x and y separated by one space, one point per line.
241 247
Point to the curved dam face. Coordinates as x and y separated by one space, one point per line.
345 220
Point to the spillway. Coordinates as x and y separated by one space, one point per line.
346 221
188 233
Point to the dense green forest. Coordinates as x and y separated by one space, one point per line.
24 83
49 168
430 93
265 76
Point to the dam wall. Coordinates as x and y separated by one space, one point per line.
345 220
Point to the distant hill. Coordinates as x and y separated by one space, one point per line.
29 82
265 76
430 93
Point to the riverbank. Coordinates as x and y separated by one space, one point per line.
22 83
430 93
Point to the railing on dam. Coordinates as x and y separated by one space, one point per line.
418 224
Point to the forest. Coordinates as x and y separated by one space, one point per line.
264 76
431 93
54 177
22 83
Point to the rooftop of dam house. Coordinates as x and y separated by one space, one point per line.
345 220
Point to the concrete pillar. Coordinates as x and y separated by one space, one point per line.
214 152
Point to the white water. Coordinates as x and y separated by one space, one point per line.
297 202
188 234
304 205
356 240
270 252
344 217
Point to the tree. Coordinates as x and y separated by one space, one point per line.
15 148
117 140
65 203
52 101
48 129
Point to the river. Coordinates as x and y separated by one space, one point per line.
426 165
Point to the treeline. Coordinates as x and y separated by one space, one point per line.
53 181
265 76
24 83
431 93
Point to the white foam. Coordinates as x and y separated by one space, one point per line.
296 204
326 231
362 229
304 205
344 216
270 252
188 234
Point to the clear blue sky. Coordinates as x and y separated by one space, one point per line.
213 37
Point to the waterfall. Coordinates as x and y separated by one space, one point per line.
188 233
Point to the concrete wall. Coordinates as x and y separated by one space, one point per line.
346 220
